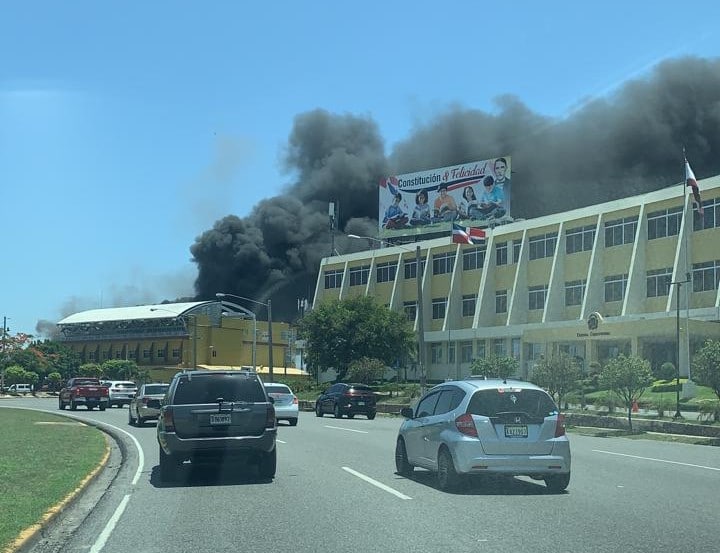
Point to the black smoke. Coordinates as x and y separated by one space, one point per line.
627 143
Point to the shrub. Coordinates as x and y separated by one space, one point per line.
666 371
659 388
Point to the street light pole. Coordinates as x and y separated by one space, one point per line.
678 284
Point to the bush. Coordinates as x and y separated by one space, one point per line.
662 405
666 371
658 388
709 410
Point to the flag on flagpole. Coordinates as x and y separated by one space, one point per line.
692 183
467 235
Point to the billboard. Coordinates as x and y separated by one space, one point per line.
475 194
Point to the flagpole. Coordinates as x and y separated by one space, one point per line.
688 264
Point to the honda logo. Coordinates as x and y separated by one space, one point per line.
518 420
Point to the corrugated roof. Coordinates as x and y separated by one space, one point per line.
159 311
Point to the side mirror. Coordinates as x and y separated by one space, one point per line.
406 412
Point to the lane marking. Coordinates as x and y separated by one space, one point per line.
656 460
348 429
280 441
376 483
110 526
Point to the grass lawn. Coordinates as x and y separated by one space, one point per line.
43 458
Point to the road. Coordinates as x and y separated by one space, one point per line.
336 490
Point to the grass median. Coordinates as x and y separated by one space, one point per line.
43 459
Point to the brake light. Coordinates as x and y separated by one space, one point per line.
168 421
145 401
466 425
560 425
270 420
295 400
348 394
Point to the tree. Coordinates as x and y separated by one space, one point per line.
119 369
15 374
338 332
58 357
366 370
558 374
91 370
627 377
54 379
495 367
706 366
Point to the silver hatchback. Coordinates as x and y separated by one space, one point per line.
479 426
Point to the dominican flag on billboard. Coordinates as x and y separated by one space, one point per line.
467 235
692 183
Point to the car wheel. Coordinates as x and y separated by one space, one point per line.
89 407
73 405
402 464
351 415
268 464
169 466
131 419
371 415
101 407
61 405
293 422
318 410
448 478
557 483
337 412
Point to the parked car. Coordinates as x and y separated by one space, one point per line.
347 399
217 416
479 426
85 391
146 403
20 389
120 392
285 402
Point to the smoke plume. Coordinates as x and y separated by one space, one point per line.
625 144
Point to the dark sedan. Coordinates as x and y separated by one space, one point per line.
347 399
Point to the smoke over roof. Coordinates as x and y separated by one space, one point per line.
625 144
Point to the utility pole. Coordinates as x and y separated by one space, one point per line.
2 372
270 339
421 319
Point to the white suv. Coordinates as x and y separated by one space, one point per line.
479 426
120 392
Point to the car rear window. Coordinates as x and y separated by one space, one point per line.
490 403
208 388
85 382
125 385
277 389
156 389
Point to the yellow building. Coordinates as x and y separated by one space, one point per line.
592 282
175 336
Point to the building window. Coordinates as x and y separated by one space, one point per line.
468 305
664 223
515 348
615 287
480 350
536 297
501 301
620 231
466 352
176 353
501 253
658 282
438 308
410 309
91 356
161 353
579 239
132 354
516 250
105 354
386 272
333 279
542 246
436 353
118 354
473 258
536 351
711 215
706 276
574 292
443 263
499 347
451 352
146 354
359 275
411 267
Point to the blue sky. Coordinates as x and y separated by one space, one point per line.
128 128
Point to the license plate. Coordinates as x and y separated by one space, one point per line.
516 431
361 403
219 419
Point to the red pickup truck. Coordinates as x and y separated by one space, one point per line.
83 391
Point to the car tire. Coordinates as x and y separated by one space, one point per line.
73 405
337 412
267 464
293 422
557 483
371 415
131 420
169 466
447 476
402 465
89 407
61 405
351 415
318 410
101 407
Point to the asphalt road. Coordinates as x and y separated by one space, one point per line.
336 490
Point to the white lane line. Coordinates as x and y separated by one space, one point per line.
376 483
348 429
280 441
656 460
110 526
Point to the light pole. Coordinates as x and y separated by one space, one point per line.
220 295
421 318
4 344
678 284
182 318
254 320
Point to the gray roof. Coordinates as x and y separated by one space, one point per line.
159 311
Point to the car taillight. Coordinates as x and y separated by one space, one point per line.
270 420
168 421
466 425
145 401
347 394
295 400
560 425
